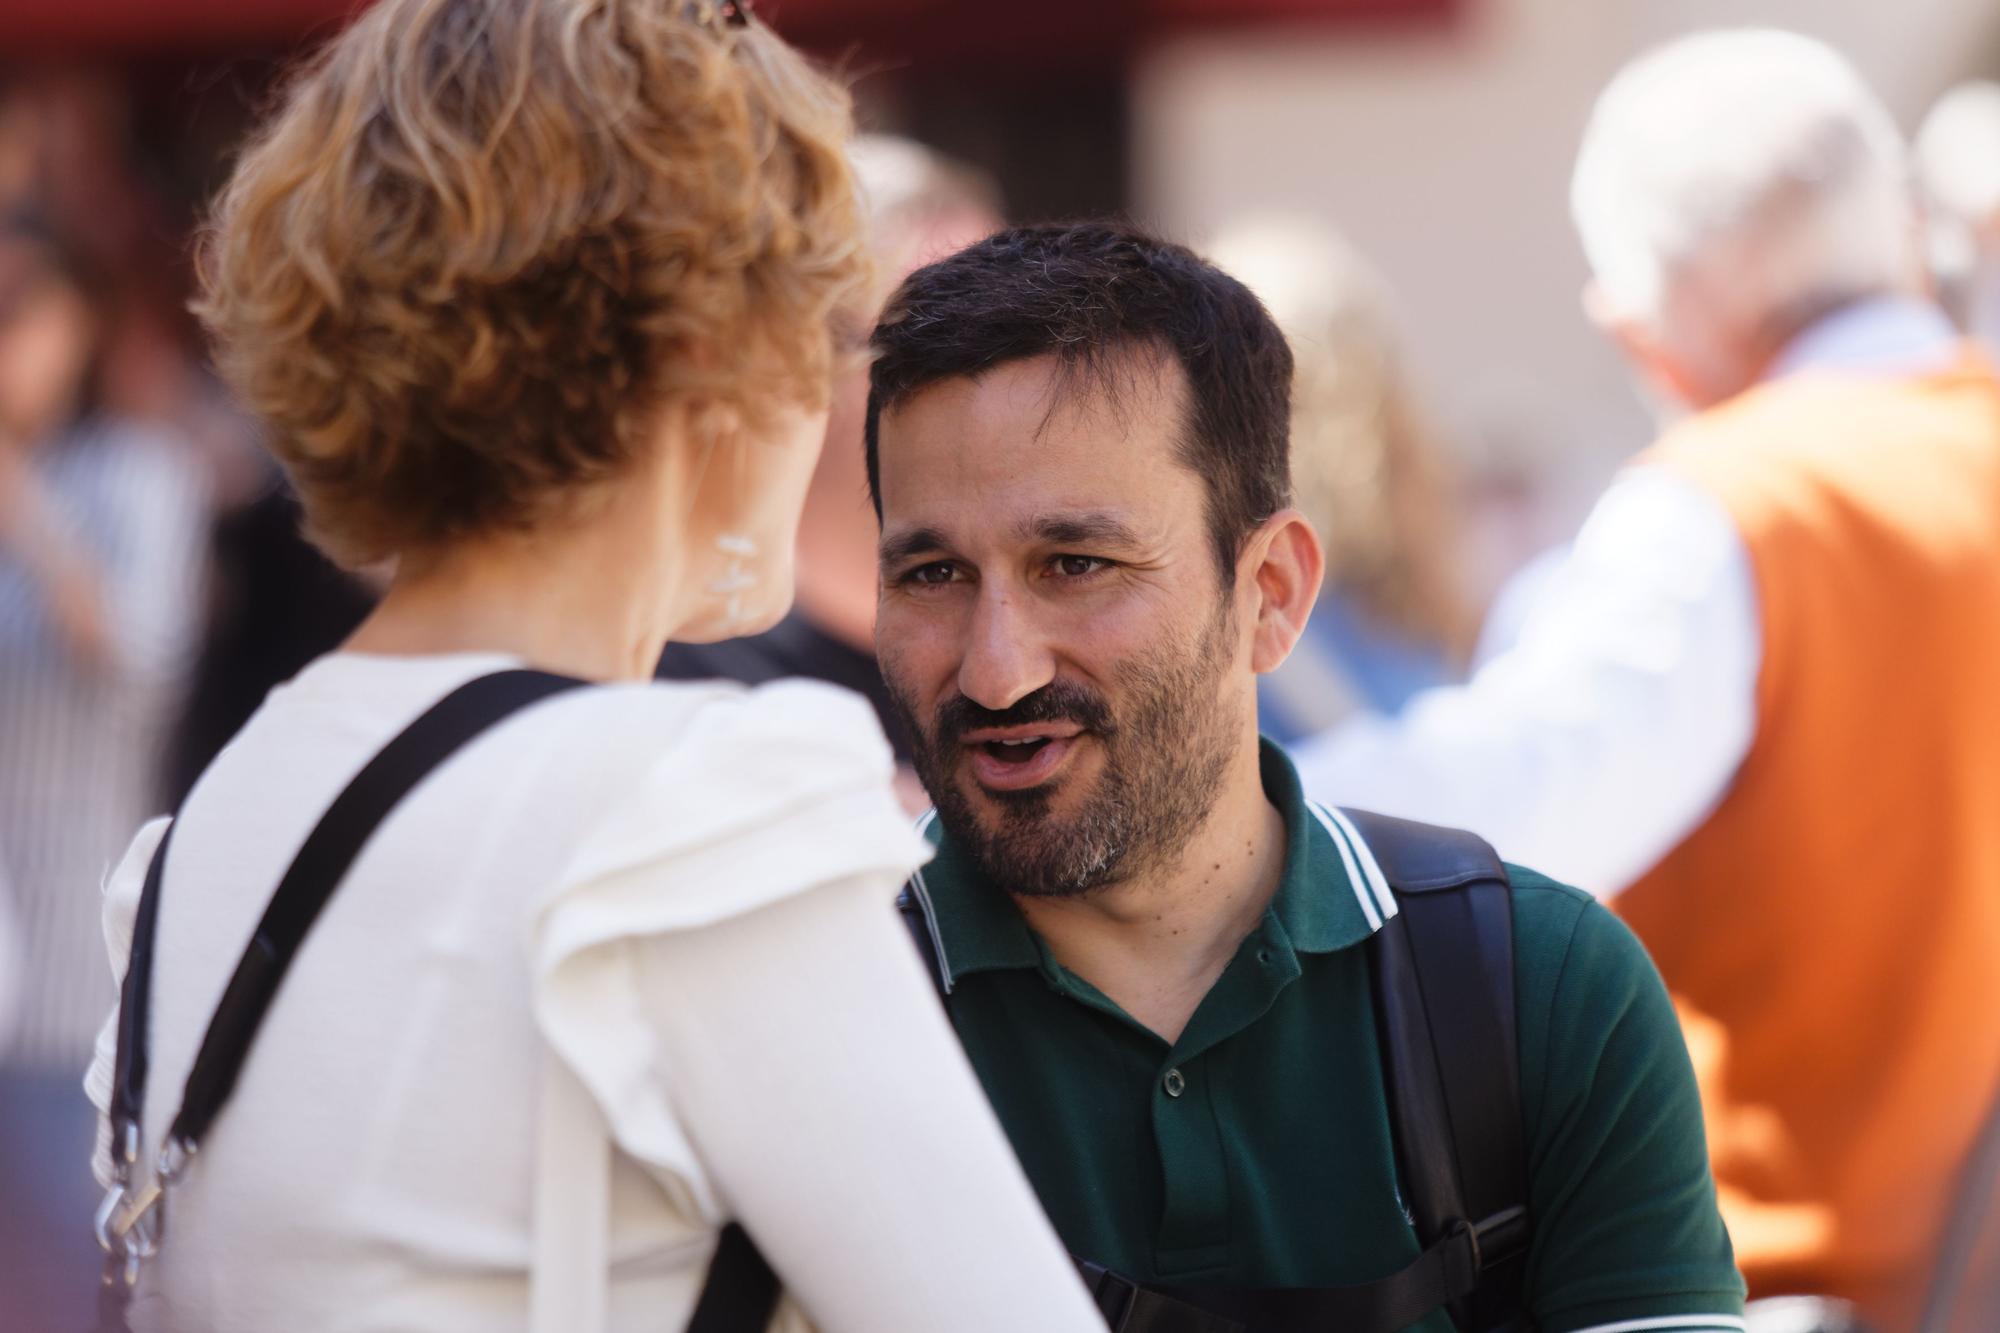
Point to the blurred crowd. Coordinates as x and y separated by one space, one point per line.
154 585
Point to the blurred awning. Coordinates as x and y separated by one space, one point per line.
1054 31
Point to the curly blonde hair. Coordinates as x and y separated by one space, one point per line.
483 243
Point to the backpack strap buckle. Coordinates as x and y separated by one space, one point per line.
1111 1293
1128 1307
1501 1237
131 1223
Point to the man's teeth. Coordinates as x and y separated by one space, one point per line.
1017 748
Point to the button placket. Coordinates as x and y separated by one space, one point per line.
1193 1235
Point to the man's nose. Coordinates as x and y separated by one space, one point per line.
1006 659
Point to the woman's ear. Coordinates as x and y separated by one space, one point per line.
1287 566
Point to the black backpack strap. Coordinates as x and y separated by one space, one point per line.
1444 989
1444 983
323 861
741 1291
315 871
1444 1272
128 1227
132 1063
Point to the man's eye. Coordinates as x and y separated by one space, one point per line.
1078 566
932 575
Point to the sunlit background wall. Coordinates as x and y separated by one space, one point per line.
1437 134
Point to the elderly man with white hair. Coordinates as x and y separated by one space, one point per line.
1757 709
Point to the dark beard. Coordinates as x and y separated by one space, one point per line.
1166 752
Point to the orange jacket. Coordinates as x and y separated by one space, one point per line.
1832 931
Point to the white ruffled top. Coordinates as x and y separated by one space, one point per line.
686 892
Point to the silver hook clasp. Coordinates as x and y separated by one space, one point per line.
131 1224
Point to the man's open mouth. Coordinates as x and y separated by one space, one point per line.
1016 758
1015 752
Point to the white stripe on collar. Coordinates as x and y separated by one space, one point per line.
1364 875
923 892
1377 903
1676 1323
1378 883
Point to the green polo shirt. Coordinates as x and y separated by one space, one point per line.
1256 1150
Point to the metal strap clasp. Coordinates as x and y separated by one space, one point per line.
131 1223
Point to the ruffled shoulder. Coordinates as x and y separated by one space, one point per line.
760 795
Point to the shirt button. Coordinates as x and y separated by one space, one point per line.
1174 1083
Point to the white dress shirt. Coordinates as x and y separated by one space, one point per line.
1618 718
686 892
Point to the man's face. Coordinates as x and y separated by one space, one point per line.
1052 623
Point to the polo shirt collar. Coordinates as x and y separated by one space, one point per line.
976 927
1331 895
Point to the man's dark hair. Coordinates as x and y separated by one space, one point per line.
1090 294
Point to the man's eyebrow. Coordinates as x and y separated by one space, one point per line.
1092 529
900 546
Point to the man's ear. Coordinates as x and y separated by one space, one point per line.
1286 564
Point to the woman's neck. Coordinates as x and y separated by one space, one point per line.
591 599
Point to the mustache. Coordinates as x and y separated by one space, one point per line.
1057 701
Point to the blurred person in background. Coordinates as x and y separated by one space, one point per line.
67 156
101 538
1958 170
554 338
271 602
921 206
1368 473
1516 510
274 604
10 957
1757 710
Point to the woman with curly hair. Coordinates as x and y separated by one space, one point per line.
538 299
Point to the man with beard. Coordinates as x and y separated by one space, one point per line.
1151 945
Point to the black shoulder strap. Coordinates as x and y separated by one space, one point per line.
1444 990
316 870
741 1291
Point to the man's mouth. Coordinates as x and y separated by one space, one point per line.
1017 758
